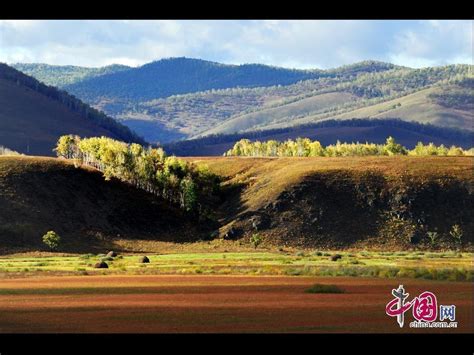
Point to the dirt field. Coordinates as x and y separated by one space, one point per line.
156 304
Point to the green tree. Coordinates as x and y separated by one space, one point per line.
393 148
456 233
52 240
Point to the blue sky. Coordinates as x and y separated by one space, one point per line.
297 44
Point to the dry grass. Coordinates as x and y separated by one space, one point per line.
266 178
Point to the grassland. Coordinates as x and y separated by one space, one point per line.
443 266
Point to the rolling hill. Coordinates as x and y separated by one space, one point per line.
365 202
33 116
173 76
300 202
41 194
410 95
347 94
181 98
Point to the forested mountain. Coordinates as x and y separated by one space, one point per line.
182 98
61 75
33 115
173 76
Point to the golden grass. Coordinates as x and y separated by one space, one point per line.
266 178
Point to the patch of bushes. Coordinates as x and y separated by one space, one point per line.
321 288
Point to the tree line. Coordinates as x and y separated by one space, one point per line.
177 181
195 146
305 147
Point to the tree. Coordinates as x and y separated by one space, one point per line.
456 233
52 240
188 194
393 148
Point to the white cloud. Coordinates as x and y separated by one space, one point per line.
302 44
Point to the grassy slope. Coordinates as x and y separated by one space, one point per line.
267 117
268 177
27 117
417 107
340 202
414 107
41 194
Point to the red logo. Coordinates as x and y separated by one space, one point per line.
424 307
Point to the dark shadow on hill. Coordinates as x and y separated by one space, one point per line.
38 195
343 208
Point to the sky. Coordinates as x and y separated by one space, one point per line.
303 44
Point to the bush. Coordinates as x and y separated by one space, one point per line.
255 240
433 237
52 240
320 288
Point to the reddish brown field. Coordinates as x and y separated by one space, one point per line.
155 304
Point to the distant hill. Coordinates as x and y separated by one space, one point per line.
174 76
329 132
409 94
61 75
33 115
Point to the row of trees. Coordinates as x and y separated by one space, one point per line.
149 169
304 147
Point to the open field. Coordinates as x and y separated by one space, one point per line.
199 303
450 266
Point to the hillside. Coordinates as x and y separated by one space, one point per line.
373 130
336 202
401 93
33 115
41 194
180 97
374 202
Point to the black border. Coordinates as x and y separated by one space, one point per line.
422 344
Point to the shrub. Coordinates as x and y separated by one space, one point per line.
52 240
433 237
255 240
320 288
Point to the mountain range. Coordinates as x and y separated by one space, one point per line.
181 98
